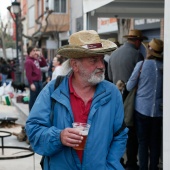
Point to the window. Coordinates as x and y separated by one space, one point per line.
60 6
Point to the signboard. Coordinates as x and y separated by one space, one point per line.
107 25
146 21
51 44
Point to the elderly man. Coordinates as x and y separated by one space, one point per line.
82 96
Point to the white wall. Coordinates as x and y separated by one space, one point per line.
166 116
76 11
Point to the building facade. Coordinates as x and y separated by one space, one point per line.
48 21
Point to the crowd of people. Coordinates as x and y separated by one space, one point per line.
39 72
84 96
7 69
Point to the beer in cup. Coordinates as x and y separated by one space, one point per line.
84 129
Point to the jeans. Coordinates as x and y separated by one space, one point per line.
4 78
149 135
34 94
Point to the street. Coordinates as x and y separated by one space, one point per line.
29 163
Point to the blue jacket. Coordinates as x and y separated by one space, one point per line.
149 96
102 150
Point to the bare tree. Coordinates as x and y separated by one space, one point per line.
2 34
36 37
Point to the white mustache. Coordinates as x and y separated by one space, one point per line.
98 70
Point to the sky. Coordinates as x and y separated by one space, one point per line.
3 7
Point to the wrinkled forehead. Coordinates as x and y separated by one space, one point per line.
92 57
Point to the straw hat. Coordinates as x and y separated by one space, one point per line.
155 47
135 34
86 43
115 40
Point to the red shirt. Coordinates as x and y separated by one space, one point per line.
80 110
32 68
42 61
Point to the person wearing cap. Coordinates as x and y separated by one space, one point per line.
120 66
148 104
82 96
124 59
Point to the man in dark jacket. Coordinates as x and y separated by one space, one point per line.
120 67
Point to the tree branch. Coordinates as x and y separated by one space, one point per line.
38 22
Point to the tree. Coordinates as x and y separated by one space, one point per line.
2 31
36 37
33 38
9 42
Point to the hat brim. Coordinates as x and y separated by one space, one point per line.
137 37
145 44
72 51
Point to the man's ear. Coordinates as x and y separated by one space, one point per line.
74 64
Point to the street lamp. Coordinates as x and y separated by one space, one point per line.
15 9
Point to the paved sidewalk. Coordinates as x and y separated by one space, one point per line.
30 163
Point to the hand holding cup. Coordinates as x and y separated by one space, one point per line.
71 137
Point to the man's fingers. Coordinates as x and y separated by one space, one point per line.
75 131
72 142
71 137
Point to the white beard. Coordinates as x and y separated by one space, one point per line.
92 78
96 79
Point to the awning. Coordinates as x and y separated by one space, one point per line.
90 5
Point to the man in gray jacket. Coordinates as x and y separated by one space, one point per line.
120 67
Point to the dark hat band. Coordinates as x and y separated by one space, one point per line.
92 46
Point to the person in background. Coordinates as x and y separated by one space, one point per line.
33 74
43 64
13 68
48 79
148 105
82 96
50 69
107 57
121 85
57 63
5 70
120 67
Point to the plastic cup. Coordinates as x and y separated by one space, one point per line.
84 129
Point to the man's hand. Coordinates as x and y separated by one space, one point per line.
71 137
32 87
